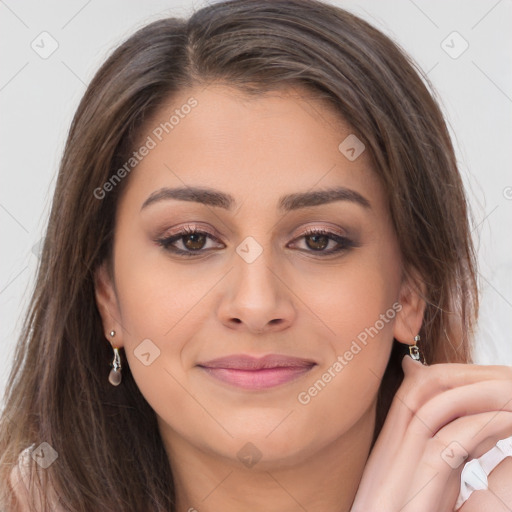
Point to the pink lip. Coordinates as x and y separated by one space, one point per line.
257 373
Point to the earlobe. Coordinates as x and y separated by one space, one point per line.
410 317
106 300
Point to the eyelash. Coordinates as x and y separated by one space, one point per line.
344 243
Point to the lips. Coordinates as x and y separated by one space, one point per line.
257 373
243 362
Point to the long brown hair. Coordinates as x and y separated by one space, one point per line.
110 454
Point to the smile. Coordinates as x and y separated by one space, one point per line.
247 372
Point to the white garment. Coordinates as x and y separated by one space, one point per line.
475 472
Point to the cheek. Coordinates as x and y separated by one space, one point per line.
361 317
359 304
162 306
162 310
356 299
157 297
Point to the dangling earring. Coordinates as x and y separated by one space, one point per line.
415 352
115 376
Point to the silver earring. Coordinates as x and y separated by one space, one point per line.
414 350
115 376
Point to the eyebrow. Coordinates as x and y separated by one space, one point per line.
289 202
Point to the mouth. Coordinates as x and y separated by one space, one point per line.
248 372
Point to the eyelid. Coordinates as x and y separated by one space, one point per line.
197 227
327 230
343 243
192 227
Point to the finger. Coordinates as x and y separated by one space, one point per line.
484 397
492 395
454 445
433 483
417 388
422 382
420 385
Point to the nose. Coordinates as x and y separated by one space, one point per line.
256 296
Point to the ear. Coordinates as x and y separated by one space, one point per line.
106 300
410 317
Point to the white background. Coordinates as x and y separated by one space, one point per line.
38 98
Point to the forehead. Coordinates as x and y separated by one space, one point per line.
252 146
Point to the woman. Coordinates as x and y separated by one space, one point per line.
258 213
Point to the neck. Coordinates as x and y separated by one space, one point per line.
323 481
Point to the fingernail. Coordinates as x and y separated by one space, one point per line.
408 362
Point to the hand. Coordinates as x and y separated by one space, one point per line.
442 416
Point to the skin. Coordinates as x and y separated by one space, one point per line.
444 409
290 300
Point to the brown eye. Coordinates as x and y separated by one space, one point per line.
324 243
192 242
318 242
196 241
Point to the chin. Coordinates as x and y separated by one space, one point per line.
266 446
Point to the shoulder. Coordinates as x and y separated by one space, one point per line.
19 482
498 497
22 481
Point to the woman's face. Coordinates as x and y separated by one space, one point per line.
255 176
